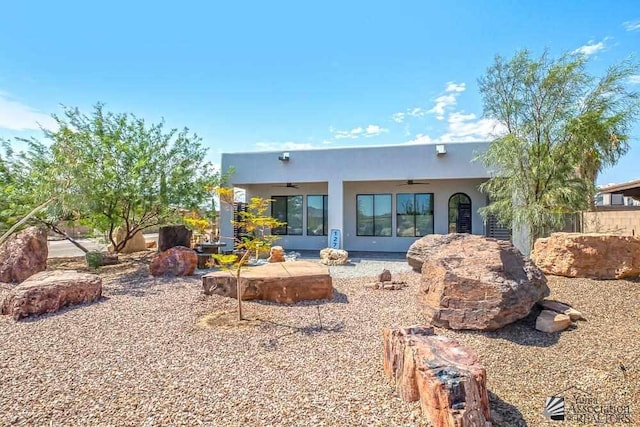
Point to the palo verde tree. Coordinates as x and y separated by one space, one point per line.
562 126
257 225
125 172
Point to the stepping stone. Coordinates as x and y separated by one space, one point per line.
49 291
282 282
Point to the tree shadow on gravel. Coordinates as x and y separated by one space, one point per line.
311 329
336 298
504 414
524 332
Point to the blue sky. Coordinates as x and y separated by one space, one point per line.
284 75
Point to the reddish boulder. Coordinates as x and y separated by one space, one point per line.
597 256
284 283
473 282
49 291
443 375
23 254
424 246
176 261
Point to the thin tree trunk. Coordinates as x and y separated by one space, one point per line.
239 284
27 217
61 232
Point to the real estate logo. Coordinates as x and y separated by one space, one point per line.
581 407
554 408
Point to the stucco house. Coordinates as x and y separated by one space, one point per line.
379 198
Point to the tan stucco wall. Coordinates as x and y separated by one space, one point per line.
623 222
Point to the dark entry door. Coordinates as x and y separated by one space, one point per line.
464 218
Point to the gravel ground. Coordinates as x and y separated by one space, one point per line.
158 352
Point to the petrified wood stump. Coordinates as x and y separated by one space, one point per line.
443 375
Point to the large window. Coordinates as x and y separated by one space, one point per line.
317 216
287 209
374 214
414 214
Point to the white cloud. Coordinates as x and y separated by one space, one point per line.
443 102
374 130
370 130
590 48
631 25
463 128
635 79
289 145
455 87
17 116
398 117
416 112
421 138
449 99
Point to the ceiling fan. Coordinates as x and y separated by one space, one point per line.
288 185
412 182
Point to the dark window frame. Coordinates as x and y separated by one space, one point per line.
415 213
458 213
325 214
284 230
373 219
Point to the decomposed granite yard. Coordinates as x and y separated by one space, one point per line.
156 351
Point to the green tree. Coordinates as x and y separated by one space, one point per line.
257 225
561 127
125 172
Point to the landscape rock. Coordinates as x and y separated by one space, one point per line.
423 247
385 276
561 308
171 236
136 244
23 254
474 282
276 254
329 256
551 321
446 377
49 291
596 256
176 261
284 283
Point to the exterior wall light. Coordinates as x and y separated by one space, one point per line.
284 157
441 150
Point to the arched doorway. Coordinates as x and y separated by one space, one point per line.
460 213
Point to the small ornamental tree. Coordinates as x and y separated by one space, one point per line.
257 225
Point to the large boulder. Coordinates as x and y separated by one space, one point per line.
284 283
23 254
49 291
177 261
171 236
136 244
421 248
446 377
330 256
474 282
597 256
